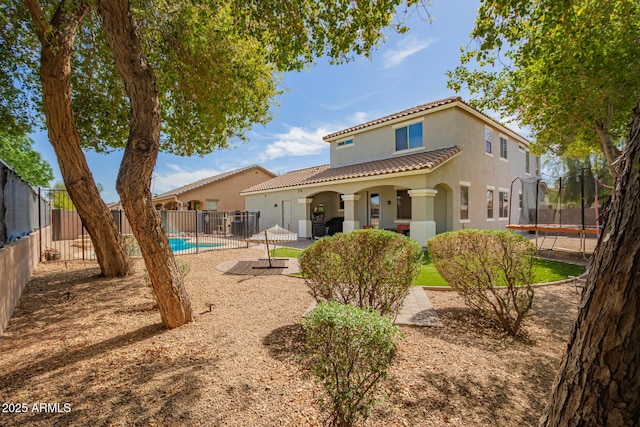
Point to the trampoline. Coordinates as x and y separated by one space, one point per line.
552 210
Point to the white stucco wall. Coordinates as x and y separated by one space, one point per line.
444 128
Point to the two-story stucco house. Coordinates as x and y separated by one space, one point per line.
218 192
433 168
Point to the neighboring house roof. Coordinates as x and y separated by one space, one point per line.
421 109
207 181
425 160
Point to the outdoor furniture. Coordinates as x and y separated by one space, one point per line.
403 229
274 234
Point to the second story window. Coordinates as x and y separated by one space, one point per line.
503 147
527 164
347 142
409 137
488 137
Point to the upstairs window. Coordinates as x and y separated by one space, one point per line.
347 142
488 137
527 163
503 147
409 137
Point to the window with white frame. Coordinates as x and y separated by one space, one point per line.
345 142
503 147
527 163
409 137
488 138
503 207
489 204
464 202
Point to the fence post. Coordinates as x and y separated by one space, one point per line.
39 225
197 246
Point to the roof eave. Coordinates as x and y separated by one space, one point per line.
350 180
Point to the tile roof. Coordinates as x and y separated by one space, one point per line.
400 114
318 174
206 181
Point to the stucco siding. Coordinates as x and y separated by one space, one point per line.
456 126
226 191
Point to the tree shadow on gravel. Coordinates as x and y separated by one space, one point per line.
286 342
151 387
465 322
16 380
489 402
557 314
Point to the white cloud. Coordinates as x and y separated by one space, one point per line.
404 49
175 176
358 117
298 142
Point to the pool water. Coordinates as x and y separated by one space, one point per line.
181 244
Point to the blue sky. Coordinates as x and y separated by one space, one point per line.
407 70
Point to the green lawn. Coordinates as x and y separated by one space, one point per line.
544 271
286 253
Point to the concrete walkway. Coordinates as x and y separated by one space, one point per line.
418 310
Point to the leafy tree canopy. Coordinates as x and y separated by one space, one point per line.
566 69
18 152
217 63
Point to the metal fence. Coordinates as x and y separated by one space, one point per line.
189 232
22 210
63 236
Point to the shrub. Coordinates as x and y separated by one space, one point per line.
351 351
365 268
492 271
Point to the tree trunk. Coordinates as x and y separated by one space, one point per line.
57 39
598 382
141 152
610 151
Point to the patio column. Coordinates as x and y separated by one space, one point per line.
423 224
304 225
350 212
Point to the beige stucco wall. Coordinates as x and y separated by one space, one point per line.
444 128
18 260
226 191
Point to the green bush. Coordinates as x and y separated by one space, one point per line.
351 351
366 268
492 271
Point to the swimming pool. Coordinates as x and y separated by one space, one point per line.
182 244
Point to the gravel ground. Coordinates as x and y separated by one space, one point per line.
96 345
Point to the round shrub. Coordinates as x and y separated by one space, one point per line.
491 269
351 351
366 268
